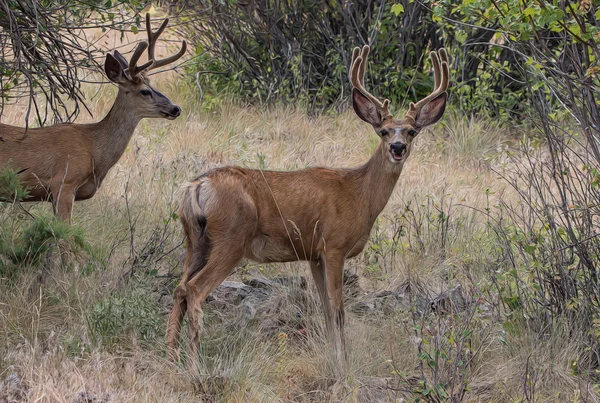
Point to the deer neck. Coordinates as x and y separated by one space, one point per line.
376 181
112 134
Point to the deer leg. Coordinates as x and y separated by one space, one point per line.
64 207
179 305
334 265
318 272
63 197
62 204
224 256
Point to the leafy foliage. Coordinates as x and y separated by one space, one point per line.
24 238
547 51
274 51
45 53
11 188
117 317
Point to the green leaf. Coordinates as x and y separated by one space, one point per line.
529 12
530 249
461 36
397 9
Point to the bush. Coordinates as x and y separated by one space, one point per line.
277 51
121 317
24 238
11 189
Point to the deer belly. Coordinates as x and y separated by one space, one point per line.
38 188
37 193
358 247
86 191
265 249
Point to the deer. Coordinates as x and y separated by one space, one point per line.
320 215
67 162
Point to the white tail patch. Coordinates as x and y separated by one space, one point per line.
197 198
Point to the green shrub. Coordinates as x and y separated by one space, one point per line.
39 235
26 239
121 317
11 188
299 52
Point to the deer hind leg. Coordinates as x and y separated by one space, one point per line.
196 256
225 254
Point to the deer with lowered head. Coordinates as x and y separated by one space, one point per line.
320 215
67 162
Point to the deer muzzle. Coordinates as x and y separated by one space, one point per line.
397 150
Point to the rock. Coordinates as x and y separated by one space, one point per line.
260 283
282 303
451 301
232 292
85 397
292 281
350 284
362 307
12 389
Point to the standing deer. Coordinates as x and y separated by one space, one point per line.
320 215
67 162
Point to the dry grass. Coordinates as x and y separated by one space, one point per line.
56 345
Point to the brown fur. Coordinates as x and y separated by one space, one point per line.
319 215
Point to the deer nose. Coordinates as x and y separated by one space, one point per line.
176 111
398 148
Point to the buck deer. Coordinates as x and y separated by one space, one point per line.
320 215
67 162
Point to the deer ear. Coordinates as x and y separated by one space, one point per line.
432 112
113 69
120 59
365 108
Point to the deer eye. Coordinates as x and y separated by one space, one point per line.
412 133
146 92
383 133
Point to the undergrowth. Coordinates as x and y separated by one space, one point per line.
458 290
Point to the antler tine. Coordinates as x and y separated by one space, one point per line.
133 70
443 56
436 69
364 53
171 59
153 37
354 66
441 80
355 54
357 78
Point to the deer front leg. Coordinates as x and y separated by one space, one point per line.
63 197
334 265
318 272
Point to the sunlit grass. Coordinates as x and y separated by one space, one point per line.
61 340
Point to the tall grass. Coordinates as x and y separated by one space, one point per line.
95 326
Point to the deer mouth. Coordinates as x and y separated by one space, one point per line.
169 116
171 113
397 156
